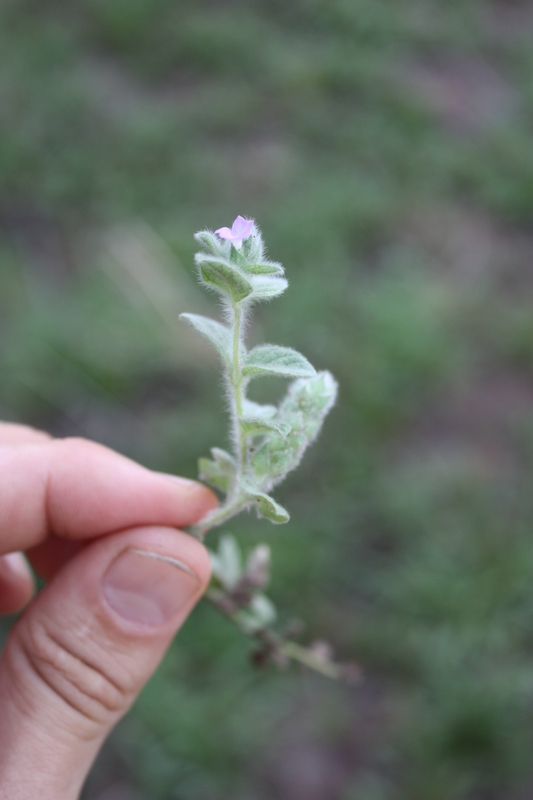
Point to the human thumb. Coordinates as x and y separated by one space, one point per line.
79 655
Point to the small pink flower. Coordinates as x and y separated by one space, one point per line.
241 229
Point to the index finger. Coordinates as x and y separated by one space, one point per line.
79 490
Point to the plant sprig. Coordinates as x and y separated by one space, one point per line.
268 441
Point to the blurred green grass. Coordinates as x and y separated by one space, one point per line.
385 149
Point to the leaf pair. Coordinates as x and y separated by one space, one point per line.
221 473
266 359
261 281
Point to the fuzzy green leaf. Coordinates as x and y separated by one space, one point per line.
253 247
260 464
264 268
304 408
222 276
274 459
265 505
236 257
255 426
284 362
224 458
219 472
209 242
265 287
268 508
218 334
264 412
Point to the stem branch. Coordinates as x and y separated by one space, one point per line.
219 516
287 648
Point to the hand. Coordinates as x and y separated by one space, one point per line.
122 579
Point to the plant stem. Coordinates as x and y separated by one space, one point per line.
306 657
238 394
286 647
237 377
219 516
236 501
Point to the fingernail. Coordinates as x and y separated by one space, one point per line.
149 588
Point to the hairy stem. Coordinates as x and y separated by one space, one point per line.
236 500
219 516
237 388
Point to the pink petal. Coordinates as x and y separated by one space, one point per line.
225 233
242 228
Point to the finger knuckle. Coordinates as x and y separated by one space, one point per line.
84 682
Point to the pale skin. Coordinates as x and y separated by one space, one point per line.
121 577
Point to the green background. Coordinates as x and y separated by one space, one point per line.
385 148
